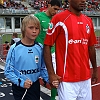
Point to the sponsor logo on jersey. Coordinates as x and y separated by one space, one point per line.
31 71
36 58
87 29
43 21
81 41
30 51
45 29
79 22
50 25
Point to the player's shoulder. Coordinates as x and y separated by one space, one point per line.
39 14
15 44
86 17
62 14
39 45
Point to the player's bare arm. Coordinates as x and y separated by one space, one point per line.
53 78
92 55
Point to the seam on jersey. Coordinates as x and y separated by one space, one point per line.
12 52
16 44
38 44
87 19
66 36
67 17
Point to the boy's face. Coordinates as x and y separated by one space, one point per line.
31 31
53 10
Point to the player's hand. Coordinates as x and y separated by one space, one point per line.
94 77
55 80
27 84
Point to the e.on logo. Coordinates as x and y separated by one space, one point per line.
81 41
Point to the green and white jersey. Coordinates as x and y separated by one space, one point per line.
44 22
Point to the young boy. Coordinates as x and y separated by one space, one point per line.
25 63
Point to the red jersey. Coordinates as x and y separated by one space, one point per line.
72 36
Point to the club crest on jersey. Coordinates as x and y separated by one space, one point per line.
36 58
87 29
50 25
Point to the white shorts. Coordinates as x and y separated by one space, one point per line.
75 90
54 61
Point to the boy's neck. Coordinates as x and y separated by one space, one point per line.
27 42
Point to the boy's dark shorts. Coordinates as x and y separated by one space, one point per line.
33 93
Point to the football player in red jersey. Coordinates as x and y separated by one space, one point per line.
74 38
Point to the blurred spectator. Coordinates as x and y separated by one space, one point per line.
14 38
7 45
65 5
42 5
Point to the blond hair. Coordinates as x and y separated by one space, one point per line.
29 19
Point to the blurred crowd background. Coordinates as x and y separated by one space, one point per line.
91 5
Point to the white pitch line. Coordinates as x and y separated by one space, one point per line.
46 90
1 72
41 98
95 84
2 67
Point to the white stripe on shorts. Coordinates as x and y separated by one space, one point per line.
54 61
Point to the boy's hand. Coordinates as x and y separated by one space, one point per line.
27 84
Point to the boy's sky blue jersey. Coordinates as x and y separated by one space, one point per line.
27 62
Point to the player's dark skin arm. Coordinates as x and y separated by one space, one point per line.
92 55
53 78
